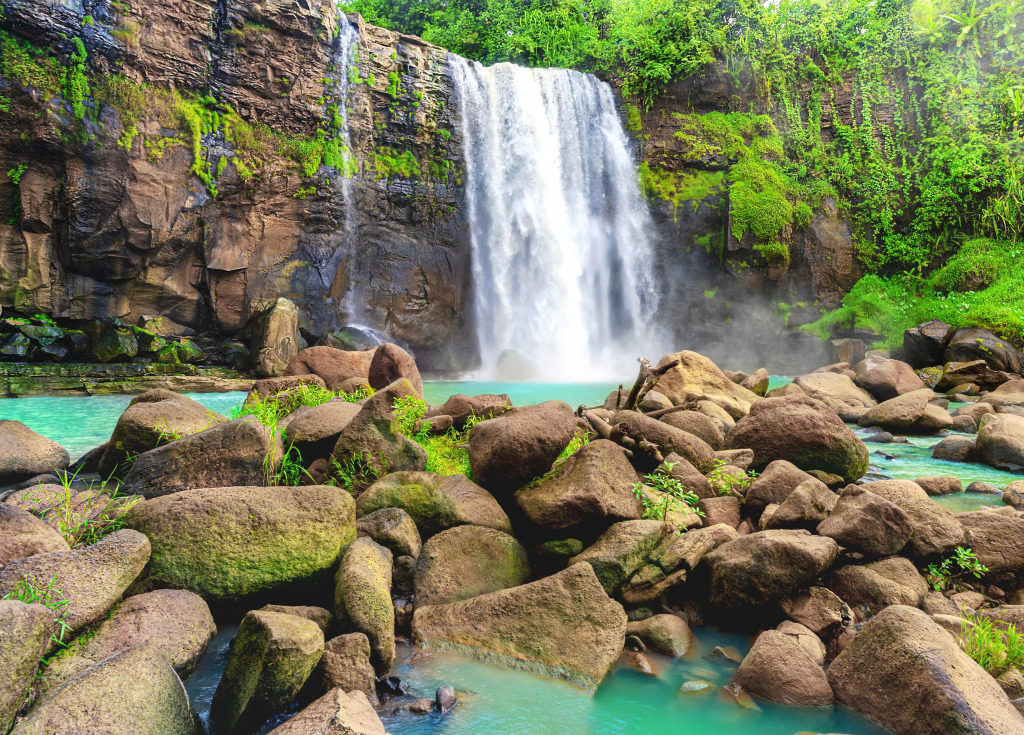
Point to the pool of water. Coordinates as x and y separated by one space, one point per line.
523 394
493 699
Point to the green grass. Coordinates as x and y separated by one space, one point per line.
995 649
83 517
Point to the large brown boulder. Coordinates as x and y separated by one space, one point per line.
434 502
885 379
909 675
228 542
241 452
1000 441
973 343
275 338
775 483
564 625
895 490
936 531
803 431
873 587
837 391
467 561
346 664
762 567
866 522
696 377
591 487
335 713
975 371
332 365
698 424
461 408
25 454
807 506
508 451
925 344
362 599
910 413
154 417
668 634
997 539
22 534
314 430
390 363
779 670
668 439
622 550
25 631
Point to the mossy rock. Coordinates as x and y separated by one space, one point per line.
362 599
230 542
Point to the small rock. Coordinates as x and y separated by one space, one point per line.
445 698
422 706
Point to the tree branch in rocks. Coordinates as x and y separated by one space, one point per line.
646 380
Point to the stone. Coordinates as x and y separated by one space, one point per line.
965 424
25 631
323 617
668 439
910 413
25 454
265 537
757 382
997 538
270 659
266 388
592 488
697 377
720 510
507 452
762 567
393 529
276 338
700 425
564 625
736 458
668 634
621 551
909 675
461 408
346 665
779 670
885 379
70 511
421 706
875 586
940 484
936 531
314 430
112 341
22 534
803 431
1013 495
434 502
390 363
373 437
1000 441
973 343
91 578
983 487
332 365
467 561
818 609
954 448
866 522
445 698
362 599
151 418
895 490
335 713
977 372
835 390
807 506
689 476
775 483
133 692
925 344
241 452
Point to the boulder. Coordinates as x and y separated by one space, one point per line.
774 485
818 609
267 387
323 617
757 382
698 424
592 487
275 340
462 408
91 578
335 713
434 502
270 659
997 539
151 418
621 551
925 344
803 431
762 567
668 634
977 372
936 531
134 692
228 542
373 438
835 390
240 452
875 586
77 514
22 534
390 363
1000 441
720 510
393 529
778 669
346 665
807 506
25 454
910 413
940 484
314 430
696 377
25 631
909 675
668 439
508 451
955 448
973 343
564 625
332 365
866 522
466 561
895 490
362 599
885 379
689 476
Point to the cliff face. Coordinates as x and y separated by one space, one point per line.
205 174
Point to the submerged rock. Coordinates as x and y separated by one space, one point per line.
668 634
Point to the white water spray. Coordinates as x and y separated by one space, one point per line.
561 256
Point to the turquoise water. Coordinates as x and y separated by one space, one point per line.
523 394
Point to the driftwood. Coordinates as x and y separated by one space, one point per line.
646 379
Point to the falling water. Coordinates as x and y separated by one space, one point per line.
348 44
561 257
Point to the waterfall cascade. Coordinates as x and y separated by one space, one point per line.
561 257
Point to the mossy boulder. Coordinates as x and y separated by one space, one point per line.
113 341
467 561
22 534
24 633
229 542
392 528
25 453
434 502
910 413
362 599
271 658
621 551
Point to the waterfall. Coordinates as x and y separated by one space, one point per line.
561 256
345 65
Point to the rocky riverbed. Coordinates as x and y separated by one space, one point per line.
336 516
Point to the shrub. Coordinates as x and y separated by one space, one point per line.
951 571
995 649
662 494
